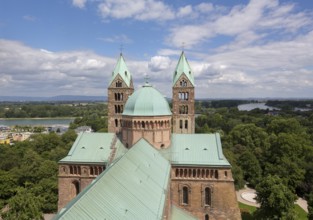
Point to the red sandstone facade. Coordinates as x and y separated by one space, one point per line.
118 93
73 178
183 106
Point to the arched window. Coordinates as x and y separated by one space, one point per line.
207 196
75 188
118 84
91 171
216 174
116 123
180 124
206 217
142 124
186 124
185 195
183 83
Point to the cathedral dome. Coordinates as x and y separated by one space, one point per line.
147 101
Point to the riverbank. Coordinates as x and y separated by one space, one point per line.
65 121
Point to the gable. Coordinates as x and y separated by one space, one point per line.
182 78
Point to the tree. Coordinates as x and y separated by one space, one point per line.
235 169
8 183
251 168
23 206
275 198
310 206
283 125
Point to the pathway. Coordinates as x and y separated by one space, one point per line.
247 195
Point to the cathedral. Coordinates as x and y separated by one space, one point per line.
150 165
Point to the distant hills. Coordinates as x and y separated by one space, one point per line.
61 98
73 98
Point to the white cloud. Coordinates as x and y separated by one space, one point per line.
79 3
184 11
258 18
30 71
139 10
204 7
158 63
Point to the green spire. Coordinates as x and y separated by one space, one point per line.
183 68
122 70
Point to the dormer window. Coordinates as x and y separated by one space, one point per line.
126 73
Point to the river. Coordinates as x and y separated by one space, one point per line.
36 121
251 106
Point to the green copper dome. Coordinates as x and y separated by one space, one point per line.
147 101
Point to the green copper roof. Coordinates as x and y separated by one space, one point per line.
121 70
183 68
134 187
196 150
92 148
179 214
147 101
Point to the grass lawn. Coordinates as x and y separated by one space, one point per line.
247 212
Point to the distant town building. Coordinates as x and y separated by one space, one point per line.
20 136
4 140
81 129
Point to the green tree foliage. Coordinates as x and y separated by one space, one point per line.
275 198
95 121
310 206
236 169
258 144
28 175
23 206
251 168
43 110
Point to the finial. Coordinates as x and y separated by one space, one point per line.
183 46
147 80
121 49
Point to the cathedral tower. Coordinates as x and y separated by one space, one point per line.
120 88
183 98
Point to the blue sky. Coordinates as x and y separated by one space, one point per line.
237 49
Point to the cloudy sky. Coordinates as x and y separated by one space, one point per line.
236 49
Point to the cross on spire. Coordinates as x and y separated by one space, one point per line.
183 46
146 79
121 49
